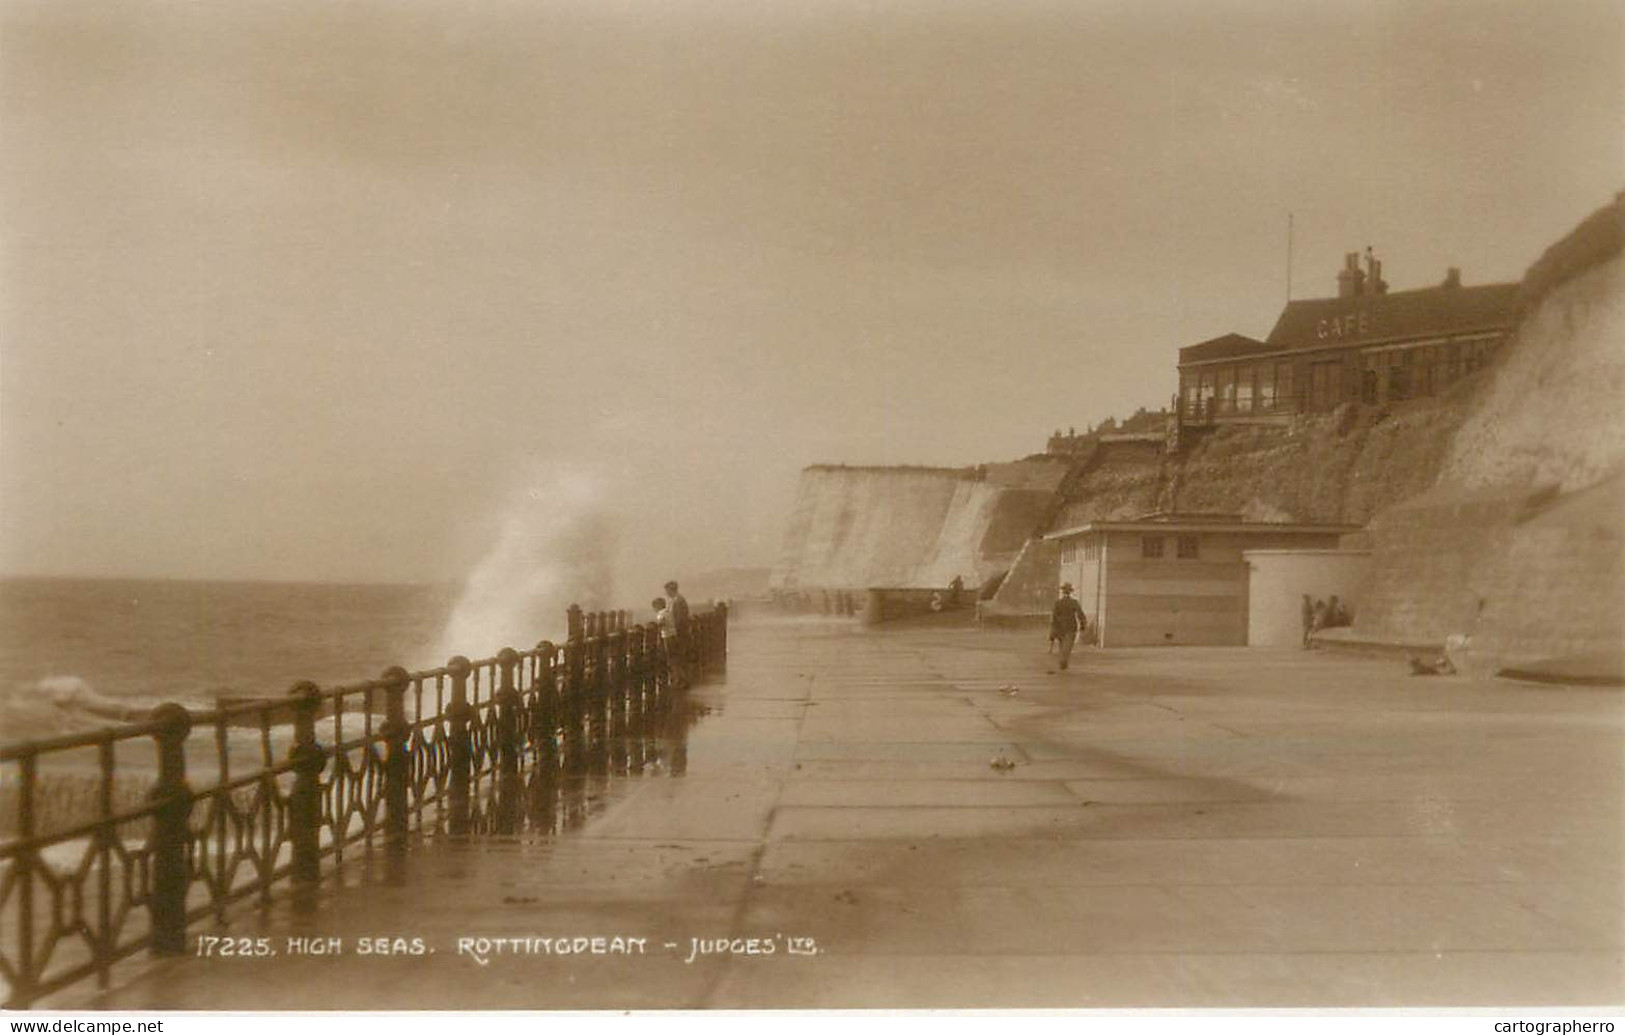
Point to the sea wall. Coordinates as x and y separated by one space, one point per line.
1030 587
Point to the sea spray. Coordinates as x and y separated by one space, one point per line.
555 546
62 704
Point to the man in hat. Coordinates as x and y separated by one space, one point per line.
1065 621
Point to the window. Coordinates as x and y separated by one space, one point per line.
1189 547
1244 390
1325 385
1368 385
1227 390
1266 387
1091 549
1069 553
1283 387
1399 381
1151 547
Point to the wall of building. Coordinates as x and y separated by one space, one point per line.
1182 601
1278 580
1170 600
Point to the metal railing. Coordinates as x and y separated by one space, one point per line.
119 872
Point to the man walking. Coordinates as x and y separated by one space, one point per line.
1065 621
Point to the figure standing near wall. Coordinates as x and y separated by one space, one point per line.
678 605
1066 618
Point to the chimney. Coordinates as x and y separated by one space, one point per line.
1350 279
1452 277
1374 284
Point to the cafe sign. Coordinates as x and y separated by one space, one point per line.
1349 325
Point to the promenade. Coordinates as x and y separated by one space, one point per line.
1182 827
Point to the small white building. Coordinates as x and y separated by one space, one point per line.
1171 578
1278 580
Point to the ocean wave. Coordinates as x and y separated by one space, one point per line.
61 704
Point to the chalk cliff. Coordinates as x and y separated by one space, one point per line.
856 527
1520 543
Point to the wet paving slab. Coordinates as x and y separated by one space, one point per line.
1183 827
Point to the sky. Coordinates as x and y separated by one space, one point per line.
349 291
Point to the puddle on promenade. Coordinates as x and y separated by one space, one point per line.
550 794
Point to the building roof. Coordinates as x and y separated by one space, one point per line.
1226 346
1204 523
1396 316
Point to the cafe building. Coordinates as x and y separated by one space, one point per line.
1365 345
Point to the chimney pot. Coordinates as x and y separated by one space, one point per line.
1351 278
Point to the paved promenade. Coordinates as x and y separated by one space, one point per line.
1181 828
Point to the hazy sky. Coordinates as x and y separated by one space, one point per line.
318 290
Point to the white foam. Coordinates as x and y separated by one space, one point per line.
556 546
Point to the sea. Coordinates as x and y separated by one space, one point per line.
72 651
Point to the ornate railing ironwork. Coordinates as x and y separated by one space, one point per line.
405 753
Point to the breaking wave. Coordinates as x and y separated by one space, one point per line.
555 546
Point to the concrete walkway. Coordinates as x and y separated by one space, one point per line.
1182 828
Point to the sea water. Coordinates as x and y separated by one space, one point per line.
74 650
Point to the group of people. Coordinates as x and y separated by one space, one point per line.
1323 614
671 616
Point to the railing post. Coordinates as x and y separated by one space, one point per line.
544 731
172 800
510 716
598 694
544 721
720 642
309 758
23 873
660 669
460 748
510 710
397 735
635 661
574 689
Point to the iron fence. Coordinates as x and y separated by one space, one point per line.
407 752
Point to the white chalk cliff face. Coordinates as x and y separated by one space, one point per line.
1552 413
1520 545
872 526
